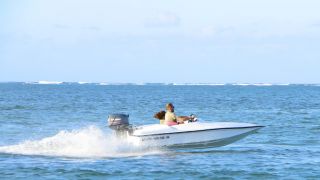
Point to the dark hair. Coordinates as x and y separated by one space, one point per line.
169 105
160 115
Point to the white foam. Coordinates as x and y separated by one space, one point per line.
262 84
30 82
139 84
103 84
218 84
198 84
82 82
168 84
258 84
241 84
49 82
90 142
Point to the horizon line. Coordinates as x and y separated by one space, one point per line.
163 83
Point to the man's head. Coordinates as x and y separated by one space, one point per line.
170 107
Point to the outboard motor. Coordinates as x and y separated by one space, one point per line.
120 123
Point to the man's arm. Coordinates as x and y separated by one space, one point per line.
183 118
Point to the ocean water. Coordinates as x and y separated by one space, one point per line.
58 131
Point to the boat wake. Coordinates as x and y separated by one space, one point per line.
89 142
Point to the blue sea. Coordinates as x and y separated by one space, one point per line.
58 131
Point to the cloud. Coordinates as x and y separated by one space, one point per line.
315 25
212 31
91 28
167 19
273 29
61 26
64 26
208 31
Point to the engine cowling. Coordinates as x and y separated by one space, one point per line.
119 123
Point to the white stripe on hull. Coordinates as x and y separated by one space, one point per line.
209 137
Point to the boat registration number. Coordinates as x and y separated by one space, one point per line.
155 138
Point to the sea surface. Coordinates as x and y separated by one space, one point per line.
58 130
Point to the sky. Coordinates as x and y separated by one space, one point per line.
168 41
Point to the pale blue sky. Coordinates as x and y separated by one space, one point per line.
249 41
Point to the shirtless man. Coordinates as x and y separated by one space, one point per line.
171 118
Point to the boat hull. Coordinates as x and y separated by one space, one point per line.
209 137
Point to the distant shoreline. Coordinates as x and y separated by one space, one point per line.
158 84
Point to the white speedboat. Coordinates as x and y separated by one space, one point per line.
195 134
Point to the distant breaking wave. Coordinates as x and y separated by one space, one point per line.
255 84
198 84
50 82
82 82
103 84
45 82
167 84
229 84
